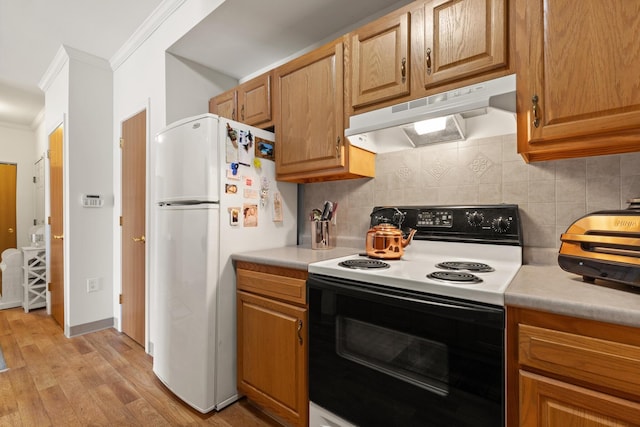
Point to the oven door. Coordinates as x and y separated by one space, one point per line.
380 356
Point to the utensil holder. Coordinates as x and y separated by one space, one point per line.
323 235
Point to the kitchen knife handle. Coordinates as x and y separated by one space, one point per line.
403 69
429 61
299 330
536 119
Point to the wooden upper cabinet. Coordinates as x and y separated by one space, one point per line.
309 112
577 68
309 120
248 103
254 101
380 61
463 39
224 104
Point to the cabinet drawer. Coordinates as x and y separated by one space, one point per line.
597 361
273 285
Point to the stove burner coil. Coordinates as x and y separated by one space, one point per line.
465 265
454 277
364 264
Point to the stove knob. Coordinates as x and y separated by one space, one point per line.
475 218
500 225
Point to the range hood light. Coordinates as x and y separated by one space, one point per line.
430 125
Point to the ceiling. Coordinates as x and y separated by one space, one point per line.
239 38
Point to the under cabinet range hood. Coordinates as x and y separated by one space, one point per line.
476 111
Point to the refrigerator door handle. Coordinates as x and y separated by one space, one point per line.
188 203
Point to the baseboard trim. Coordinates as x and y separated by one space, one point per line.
86 328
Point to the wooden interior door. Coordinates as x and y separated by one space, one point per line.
8 179
56 284
133 297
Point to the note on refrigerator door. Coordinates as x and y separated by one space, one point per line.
277 207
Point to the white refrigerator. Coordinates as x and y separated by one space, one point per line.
215 194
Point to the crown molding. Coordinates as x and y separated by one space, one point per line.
64 54
144 31
54 68
37 120
87 58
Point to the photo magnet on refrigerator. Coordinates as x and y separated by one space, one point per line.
234 217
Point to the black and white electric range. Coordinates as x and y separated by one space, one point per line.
417 341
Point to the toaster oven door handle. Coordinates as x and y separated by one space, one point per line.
603 240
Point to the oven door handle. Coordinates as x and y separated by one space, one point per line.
490 316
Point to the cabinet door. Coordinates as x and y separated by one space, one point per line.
464 38
272 355
310 112
545 402
254 101
380 61
577 65
224 104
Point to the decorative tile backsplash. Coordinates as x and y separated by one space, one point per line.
551 195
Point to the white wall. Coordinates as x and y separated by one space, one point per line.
18 145
78 95
186 100
89 237
141 82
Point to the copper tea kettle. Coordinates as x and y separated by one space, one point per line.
385 241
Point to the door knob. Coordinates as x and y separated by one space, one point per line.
139 239
58 237
10 230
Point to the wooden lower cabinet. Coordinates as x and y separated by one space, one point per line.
545 402
272 340
565 371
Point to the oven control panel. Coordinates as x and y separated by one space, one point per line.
480 223
435 218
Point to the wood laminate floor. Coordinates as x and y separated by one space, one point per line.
101 379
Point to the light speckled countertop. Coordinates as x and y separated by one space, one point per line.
549 288
293 256
541 287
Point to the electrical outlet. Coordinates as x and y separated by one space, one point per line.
93 285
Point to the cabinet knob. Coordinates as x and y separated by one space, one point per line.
429 61
338 151
242 113
403 69
58 236
536 119
139 239
10 230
